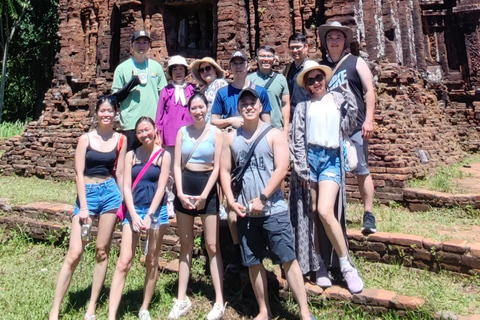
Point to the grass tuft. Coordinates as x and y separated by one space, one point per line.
10 129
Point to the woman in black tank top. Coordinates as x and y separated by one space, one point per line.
97 195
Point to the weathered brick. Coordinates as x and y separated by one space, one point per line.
337 293
406 240
429 243
409 303
455 245
375 297
474 249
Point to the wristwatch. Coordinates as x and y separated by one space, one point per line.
263 198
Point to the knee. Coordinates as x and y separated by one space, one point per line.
151 261
325 213
101 254
123 265
186 247
73 257
212 249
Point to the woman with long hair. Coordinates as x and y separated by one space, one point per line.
98 195
318 177
146 213
196 167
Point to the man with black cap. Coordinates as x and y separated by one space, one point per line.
225 115
143 98
263 218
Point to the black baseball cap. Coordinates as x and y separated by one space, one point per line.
248 91
140 34
239 54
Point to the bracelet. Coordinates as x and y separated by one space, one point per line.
83 209
150 214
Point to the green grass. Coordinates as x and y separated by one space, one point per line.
438 223
10 129
28 274
27 190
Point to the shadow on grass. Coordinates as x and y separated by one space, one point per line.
78 300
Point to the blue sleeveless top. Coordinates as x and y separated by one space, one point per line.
205 151
147 186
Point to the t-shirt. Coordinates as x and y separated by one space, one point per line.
297 93
226 101
143 99
277 89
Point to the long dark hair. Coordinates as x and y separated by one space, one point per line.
107 98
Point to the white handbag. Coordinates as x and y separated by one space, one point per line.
349 154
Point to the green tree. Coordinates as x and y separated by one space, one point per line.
11 14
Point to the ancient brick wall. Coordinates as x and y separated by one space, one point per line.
424 55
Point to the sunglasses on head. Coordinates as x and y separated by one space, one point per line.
206 69
318 78
110 98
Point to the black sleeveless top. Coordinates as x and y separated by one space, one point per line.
347 72
98 163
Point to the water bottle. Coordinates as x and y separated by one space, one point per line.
85 232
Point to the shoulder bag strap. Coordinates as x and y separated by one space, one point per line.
204 132
340 63
248 157
142 172
270 81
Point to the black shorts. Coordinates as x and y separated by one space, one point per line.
193 183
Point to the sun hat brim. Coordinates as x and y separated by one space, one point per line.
195 65
310 65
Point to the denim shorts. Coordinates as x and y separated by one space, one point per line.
273 233
362 153
324 164
101 197
160 217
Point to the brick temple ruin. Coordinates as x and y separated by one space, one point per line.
424 54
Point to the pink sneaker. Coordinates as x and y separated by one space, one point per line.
353 280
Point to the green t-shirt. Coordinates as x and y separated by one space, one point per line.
278 88
143 99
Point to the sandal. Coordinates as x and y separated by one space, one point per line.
87 317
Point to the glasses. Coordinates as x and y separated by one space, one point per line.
295 48
266 56
318 78
206 69
339 39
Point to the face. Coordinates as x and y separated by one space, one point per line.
207 72
335 41
265 60
178 73
145 132
105 113
141 45
298 50
249 107
239 68
315 82
198 109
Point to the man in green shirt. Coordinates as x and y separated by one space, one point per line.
143 98
276 86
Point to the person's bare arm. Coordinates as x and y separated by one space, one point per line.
367 84
286 115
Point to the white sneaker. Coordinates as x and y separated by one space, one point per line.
144 315
217 311
180 308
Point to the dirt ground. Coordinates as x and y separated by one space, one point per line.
471 181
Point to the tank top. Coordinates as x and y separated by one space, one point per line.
205 151
147 186
347 72
98 163
258 173
323 114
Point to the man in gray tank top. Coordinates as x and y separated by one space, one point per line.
266 223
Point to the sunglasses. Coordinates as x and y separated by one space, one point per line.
318 78
110 98
206 69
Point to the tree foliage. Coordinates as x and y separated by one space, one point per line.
30 61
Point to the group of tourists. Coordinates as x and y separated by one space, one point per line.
245 135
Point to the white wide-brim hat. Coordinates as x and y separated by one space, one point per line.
334 25
310 65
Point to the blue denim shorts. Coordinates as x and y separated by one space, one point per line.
101 197
273 233
324 164
160 217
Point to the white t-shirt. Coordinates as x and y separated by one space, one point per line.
323 123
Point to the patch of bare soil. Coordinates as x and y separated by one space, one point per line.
471 180
469 233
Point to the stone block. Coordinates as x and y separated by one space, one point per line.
474 249
409 240
456 246
369 255
376 297
471 262
422 254
379 237
409 303
337 293
429 243
312 289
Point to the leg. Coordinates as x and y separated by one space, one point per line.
367 191
232 225
124 263
155 238
258 279
185 233
106 224
295 281
236 264
72 259
212 242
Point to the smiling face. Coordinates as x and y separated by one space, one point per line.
249 107
198 109
239 68
105 113
265 60
335 41
145 132
298 51
315 83
178 74
207 72
140 46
